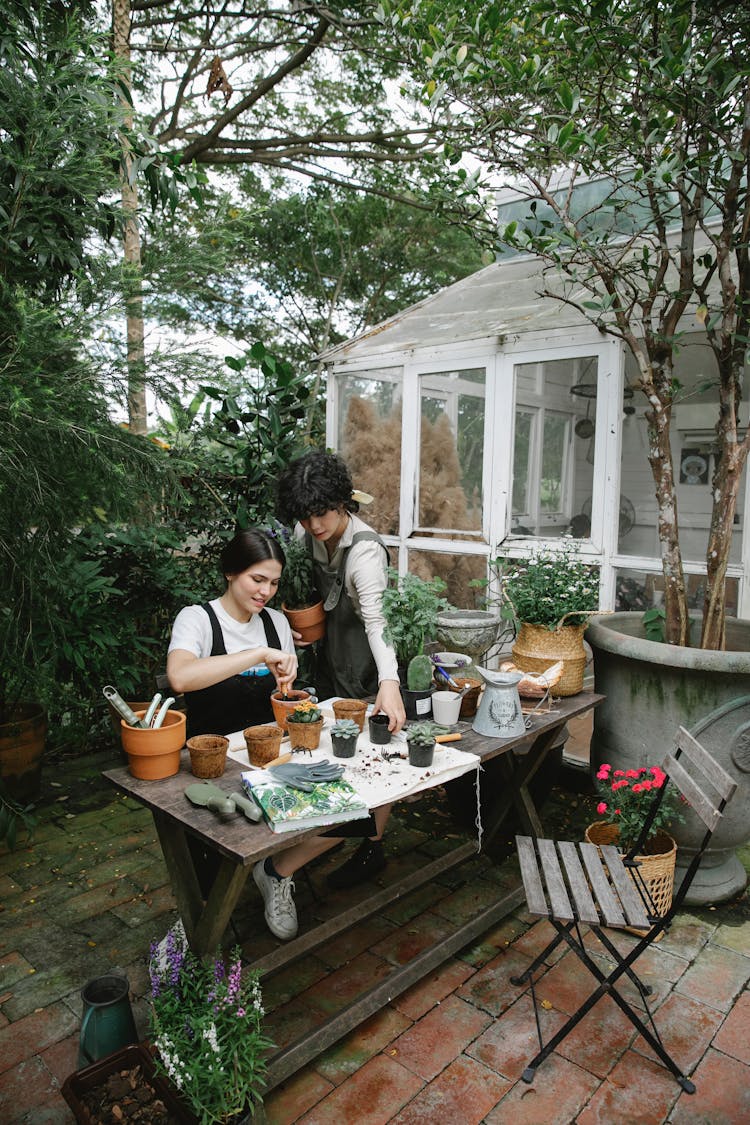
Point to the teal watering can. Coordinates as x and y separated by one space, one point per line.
107 1022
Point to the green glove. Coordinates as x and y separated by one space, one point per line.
306 777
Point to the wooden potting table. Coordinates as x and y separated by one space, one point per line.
240 844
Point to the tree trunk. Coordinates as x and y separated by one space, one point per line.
136 355
677 621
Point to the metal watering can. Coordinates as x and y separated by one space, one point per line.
107 1022
499 714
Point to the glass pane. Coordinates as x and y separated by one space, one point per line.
637 590
553 447
369 440
457 571
451 441
692 435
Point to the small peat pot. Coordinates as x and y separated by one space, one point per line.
355 709
263 743
208 755
378 728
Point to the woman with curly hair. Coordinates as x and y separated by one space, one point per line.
316 496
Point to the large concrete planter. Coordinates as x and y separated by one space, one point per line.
653 688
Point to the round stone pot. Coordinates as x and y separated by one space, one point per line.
651 689
470 631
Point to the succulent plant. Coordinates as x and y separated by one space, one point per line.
305 712
422 734
345 728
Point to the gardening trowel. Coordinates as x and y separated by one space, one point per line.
225 806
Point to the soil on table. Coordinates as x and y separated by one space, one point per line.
127 1098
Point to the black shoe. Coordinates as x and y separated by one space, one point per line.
363 864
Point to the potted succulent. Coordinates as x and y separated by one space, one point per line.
300 601
421 742
344 735
304 724
549 596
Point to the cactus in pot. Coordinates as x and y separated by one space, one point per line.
419 673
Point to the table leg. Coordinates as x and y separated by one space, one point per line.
204 922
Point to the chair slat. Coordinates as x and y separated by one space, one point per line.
724 785
697 800
532 883
553 877
584 903
631 901
606 899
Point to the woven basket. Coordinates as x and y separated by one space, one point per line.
537 648
263 743
208 755
355 709
305 736
656 866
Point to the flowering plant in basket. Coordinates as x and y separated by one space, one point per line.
626 797
549 586
206 1024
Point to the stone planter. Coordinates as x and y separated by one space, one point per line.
470 631
650 689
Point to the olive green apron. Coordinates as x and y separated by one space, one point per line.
344 664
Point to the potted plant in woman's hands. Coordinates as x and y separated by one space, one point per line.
300 602
550 595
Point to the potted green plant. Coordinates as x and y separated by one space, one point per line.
549 596
300 601
206 1024
420 738
304 725
410 607
344 735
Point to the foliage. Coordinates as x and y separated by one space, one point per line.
305 712
297 583
642 106
345 728
653 623
11 813
626 797
419 673
548 587
410 608
206 1023
424 733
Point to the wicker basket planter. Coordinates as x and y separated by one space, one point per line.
305 736
208 755
657 865
263 743
537 648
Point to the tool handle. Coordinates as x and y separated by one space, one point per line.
248 806
113 696
456 737
162 713
152 709
279 761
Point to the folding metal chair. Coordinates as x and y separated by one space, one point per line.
577 883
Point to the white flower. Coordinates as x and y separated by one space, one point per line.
209 1033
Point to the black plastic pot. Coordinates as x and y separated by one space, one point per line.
421 755
378 727
417 704
343 747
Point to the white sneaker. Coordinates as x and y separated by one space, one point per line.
281 913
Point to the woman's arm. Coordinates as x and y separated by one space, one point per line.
367 579
188 672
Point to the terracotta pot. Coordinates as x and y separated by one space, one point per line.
282 708
305 736
310 622
470 701
355 709
154 754
22 740
208 755
263 743
657 864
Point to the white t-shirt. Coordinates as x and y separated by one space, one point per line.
192 631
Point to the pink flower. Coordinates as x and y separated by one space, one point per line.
601 807
617 812
637 788
604 769
619 773
603 773
632 773
618 785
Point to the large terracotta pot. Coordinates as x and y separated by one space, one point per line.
650 690
22 739
310 622
154 754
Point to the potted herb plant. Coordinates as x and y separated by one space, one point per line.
410 607
549 596
300 601
344 735
304 725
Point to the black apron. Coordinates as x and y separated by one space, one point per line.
345 664
237 702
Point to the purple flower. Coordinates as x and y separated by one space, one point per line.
235 981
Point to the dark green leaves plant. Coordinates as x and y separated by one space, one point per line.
410 608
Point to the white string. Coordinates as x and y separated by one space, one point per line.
478 820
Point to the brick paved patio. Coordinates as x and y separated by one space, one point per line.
90 893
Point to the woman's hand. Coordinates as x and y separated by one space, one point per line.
283 665
389 701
